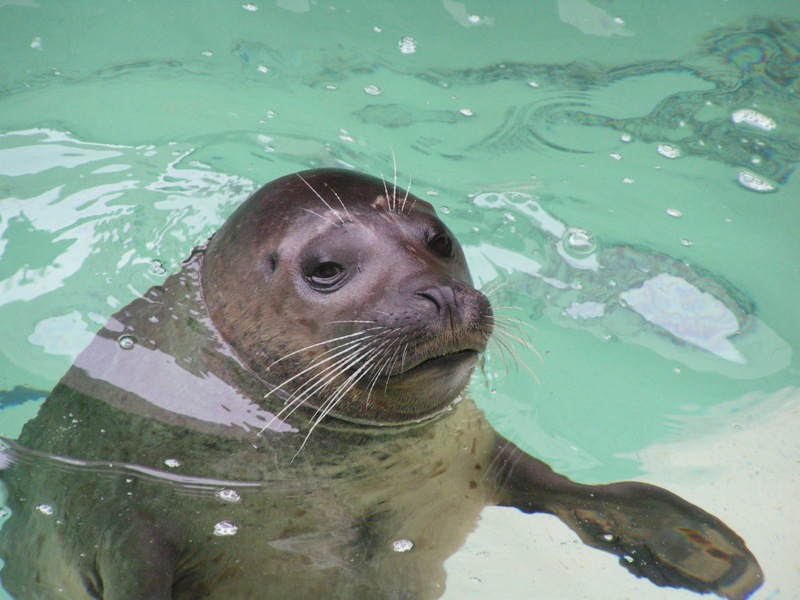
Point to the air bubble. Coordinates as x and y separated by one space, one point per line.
669 151
126 342
751 181
402 545
224 528
157 267
579 242
229 495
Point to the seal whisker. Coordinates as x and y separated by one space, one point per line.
391 366
501 329
394 187
382 368
405 198
403 358
385 189
339 198
316 214
318 195
341 349
375 354
494 288
514 354
356 321
319 381
503 349
333 400
324 342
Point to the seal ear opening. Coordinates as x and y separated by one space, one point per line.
270 264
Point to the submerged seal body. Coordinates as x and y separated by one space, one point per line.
282 419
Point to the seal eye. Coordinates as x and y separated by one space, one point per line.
442 245
326 276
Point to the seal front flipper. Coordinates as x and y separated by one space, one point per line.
656 534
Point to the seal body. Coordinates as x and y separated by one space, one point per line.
282 419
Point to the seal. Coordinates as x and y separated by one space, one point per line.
285 417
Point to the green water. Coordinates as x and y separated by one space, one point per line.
130 130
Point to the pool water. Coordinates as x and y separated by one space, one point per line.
623 171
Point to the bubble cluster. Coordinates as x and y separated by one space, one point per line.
407 45
754 119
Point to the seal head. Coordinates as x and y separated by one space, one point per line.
348 296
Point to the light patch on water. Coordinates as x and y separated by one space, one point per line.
30 160
65 335
463 17
590 19
586 310
695 317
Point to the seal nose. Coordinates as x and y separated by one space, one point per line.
442 296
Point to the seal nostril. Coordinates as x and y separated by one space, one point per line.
442 296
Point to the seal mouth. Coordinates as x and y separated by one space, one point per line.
444 361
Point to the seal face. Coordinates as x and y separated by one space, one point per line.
350 298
